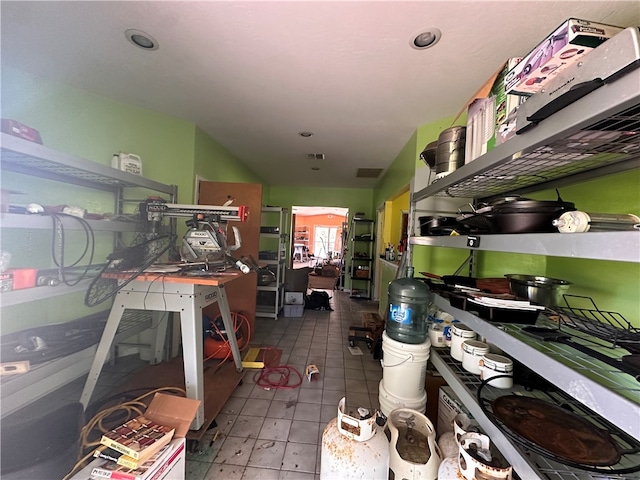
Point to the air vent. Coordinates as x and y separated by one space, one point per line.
315 156
368 172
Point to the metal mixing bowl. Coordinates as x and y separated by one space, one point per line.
537 289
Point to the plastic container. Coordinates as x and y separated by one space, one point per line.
472 352
389 402
436 335
460 333
409 301
413 452
366 443
492 365
404 367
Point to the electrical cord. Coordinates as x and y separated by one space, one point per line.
264 378
134 407
58 256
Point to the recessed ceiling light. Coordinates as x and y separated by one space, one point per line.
426 39
141 39
306 134
315 169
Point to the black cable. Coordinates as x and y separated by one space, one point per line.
58 229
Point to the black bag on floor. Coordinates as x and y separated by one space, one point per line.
317 300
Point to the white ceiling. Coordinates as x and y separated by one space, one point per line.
254 74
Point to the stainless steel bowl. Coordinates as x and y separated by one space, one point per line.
537 289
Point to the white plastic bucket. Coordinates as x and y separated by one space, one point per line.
472 353
460 333
492 365
404 367
389 402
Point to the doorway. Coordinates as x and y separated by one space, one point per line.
318 236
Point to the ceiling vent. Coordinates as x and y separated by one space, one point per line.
315 156
368 172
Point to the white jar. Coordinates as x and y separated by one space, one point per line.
460 333
492 365
472 353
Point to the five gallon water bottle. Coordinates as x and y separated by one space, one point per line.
409 301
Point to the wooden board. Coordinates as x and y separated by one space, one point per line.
219 384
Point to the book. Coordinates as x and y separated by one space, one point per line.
114 471
138 438
107 453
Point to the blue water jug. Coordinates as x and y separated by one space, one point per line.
409 302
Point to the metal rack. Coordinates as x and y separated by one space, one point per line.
35 160
277 265
527 464
594 136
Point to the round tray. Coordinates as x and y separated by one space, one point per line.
557 431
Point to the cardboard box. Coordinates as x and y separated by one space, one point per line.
172 411
449 405
169 466
293 311
563 47
294 298
486 115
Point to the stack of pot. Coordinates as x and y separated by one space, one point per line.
447 153
405 346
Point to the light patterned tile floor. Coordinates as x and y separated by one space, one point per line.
276 434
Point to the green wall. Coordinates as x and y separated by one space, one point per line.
94 127
399 173
215 163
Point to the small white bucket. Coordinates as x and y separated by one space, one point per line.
460 333
492 365
389 402
404 367
472 353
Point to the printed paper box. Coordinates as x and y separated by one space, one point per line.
565 46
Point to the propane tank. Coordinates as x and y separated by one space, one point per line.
407 314
354 448
414 453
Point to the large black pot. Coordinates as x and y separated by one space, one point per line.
515 215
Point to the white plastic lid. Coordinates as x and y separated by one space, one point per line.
497 362
462 330
475 347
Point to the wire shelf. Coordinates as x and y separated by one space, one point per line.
603 324
549 468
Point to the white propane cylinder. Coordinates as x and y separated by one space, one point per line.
353 449
414 453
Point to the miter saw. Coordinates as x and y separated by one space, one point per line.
205 243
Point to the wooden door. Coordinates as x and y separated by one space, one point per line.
241 292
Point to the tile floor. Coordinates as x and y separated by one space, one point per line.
270 434
276 434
